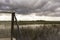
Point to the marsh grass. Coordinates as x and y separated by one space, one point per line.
44 32
5 33
40 33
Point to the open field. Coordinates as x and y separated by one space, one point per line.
37 31
44 32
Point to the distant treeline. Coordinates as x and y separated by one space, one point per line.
39 22
32 22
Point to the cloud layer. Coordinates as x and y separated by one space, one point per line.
40 7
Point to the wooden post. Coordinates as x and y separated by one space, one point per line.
12 25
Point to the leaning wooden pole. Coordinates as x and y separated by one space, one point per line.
12 25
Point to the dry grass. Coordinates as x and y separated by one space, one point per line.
40 33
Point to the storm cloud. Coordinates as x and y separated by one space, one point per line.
40 7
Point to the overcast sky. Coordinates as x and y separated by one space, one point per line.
34 8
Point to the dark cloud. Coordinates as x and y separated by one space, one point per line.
42 7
